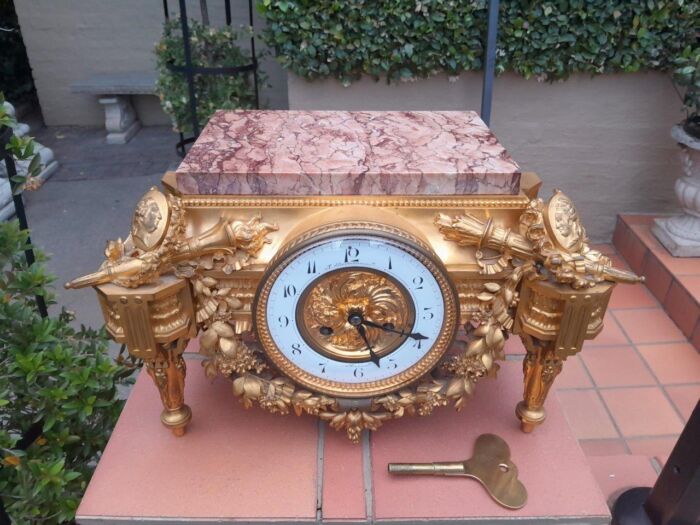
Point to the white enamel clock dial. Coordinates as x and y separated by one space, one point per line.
356 314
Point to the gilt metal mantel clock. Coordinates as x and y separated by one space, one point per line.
356 266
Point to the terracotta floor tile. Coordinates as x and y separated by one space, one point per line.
638 218
618 473
685 397
673 363
650 325
573 375
603 447
692 284
682 307
632 296
658 278
676 265
659 448
611 334
644 234
619 261
680 265
642 411
586 414
636 254
616 366
695 340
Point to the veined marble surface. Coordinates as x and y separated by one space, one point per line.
265 152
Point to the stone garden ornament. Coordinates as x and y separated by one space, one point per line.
680 234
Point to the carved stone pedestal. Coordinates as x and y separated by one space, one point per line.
120 119
680 234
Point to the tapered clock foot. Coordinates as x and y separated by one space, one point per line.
168 371
540 367
530 418
177 420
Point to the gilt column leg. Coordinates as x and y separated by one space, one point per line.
540 367
168 370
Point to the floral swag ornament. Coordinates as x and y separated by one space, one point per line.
551 245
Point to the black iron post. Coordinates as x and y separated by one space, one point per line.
189 73
5 135
252 53
227 8
489 62
675 497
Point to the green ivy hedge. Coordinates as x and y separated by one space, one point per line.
406 39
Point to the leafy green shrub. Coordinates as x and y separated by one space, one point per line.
687 75
57 383
210 47
21 149
406 39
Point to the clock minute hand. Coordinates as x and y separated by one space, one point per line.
373 356
416 335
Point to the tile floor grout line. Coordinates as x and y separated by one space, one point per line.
648 437
651 371
673 404
320 447
617 345
628 308
367 474
621 387
605 407
684 340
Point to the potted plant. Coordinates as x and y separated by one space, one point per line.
210 48
680 234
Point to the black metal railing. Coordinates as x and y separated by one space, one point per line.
6 133
189 71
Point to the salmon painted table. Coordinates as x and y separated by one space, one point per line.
230 468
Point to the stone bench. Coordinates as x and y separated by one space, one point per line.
114 91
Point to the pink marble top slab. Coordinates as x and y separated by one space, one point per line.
264 152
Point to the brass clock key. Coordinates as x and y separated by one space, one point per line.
490 465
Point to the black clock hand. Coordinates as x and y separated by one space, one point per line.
374 357
416 336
